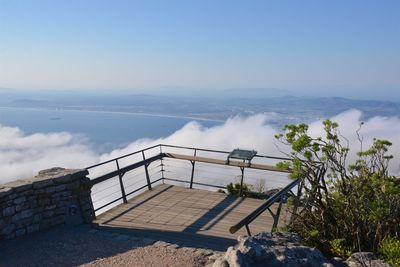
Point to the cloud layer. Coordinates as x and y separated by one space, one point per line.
24 155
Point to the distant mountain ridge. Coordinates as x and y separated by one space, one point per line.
303 108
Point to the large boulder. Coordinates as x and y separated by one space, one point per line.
273 250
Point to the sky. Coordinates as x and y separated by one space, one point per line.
310 46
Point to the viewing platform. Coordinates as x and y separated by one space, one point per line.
185 216
169 193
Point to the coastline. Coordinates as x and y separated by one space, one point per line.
116 112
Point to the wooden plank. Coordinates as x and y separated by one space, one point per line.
225 162
165 211
186 220
171 228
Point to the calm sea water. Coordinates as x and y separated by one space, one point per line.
104 130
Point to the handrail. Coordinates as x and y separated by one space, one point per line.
220 151
252 216
115 173
121 157
175 146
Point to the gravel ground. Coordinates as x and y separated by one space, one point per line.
83 246
153 256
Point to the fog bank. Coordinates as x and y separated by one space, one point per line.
24 155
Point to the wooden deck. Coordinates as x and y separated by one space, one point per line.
188 217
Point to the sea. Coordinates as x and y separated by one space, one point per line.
103 130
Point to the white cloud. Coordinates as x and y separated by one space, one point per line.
24 155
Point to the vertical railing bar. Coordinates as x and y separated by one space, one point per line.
277 215
272 214
147 172
248 229
241 182
121 184
162 166
193 164
162 170
296 203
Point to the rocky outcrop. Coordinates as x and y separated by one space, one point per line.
53 197
285 249
365 259
271 249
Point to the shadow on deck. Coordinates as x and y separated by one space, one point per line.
187 217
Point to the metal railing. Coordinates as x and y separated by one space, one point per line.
131 174
120 172
278 196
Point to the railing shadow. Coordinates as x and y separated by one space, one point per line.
214 215
137 204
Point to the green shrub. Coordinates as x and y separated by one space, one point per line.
234 189
258 190
345 207
389 250
338 247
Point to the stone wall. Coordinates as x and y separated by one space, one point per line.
54 197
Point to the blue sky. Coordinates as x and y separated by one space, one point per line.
313 46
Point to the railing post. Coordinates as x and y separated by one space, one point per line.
241 182
121 184
162 165
162 170
147 172
193 164
296 202
248 229
277 215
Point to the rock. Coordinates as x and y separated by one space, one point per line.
161 244
20 232
42 184
33 228
22 215
214 256
173 246
272 249
365 259
19 200
203 252
50 172
50 189
5 191
221 263
61 187
8 229
9 211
